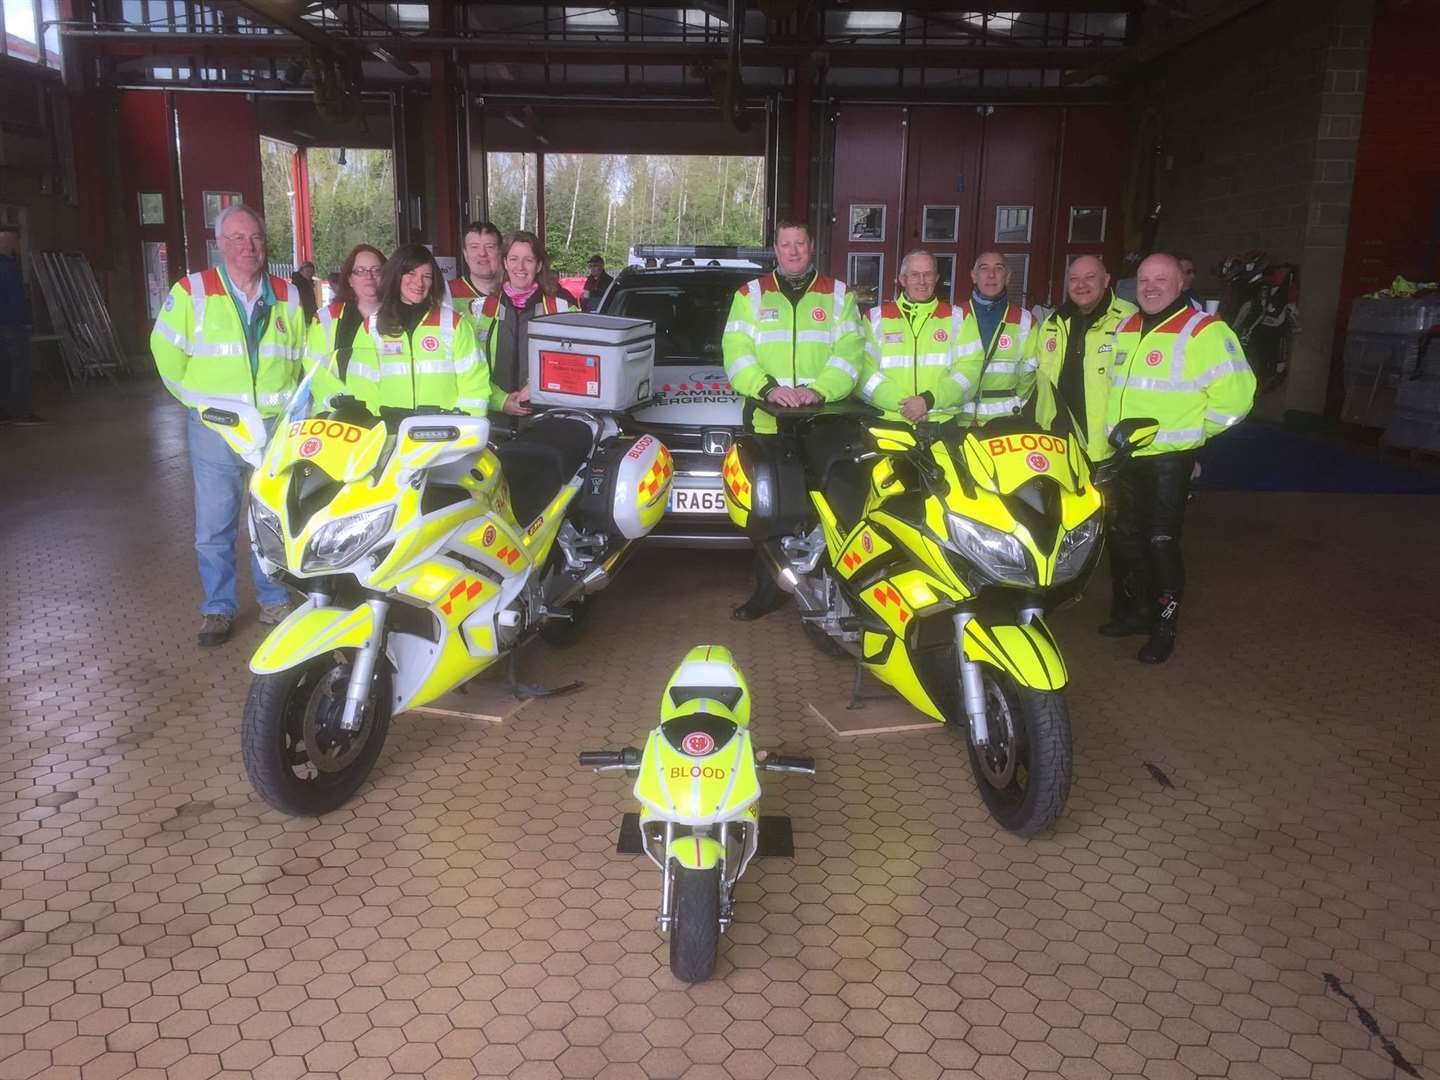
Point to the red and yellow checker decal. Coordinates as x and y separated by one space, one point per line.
737 484
509 554
885 600
864 547
462 595
657 479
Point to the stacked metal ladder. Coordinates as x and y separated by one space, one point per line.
87 336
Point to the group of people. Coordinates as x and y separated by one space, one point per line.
396 335
794 337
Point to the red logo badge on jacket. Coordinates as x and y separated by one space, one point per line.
818 314
431 343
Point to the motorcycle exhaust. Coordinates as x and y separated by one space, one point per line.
809 594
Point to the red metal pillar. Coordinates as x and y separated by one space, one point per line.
304 232
800 147
442 125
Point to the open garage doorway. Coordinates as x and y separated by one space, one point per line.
605 204
321 201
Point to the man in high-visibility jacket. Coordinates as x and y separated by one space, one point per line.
484 273
920 364
1007 368
1186 370
236 333
1075 350
792 339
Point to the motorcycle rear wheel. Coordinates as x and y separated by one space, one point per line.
286 707
695 925
1024 773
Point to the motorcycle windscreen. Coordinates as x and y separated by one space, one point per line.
1001 463
342 450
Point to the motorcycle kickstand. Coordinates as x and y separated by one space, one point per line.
858 697
524 691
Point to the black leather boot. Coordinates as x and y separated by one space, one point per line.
766 598
1162 632
1128 616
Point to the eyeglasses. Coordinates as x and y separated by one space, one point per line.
366 271
243 238
923 275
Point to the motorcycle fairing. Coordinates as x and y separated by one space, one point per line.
1001 463
709 671
697 789
344 452
695 852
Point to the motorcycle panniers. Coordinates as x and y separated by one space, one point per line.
765 491
619 495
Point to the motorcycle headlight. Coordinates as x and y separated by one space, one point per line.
997 556
265 531
1075 548
340 543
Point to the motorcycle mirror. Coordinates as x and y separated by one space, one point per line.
1134 433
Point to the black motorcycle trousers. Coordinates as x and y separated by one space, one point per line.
1147 518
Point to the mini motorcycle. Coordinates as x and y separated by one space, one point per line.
1262 307
698 785
426 556
932 559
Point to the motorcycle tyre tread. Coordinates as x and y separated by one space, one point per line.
695 930
1046 720
259 747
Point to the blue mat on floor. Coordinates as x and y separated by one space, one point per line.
1262 457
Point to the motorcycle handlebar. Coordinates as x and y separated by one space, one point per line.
784 764
627 758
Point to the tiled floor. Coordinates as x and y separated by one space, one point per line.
1245 884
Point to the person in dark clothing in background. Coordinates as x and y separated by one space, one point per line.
596 282
15 325
304 280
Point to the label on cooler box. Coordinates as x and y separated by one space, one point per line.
570 373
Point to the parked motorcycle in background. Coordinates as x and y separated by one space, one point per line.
1261 305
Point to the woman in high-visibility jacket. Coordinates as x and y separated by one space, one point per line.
332 341
415 349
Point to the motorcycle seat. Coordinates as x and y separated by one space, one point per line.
539 461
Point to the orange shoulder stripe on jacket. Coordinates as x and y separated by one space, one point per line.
214 283
336 308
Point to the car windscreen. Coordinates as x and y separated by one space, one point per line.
689 316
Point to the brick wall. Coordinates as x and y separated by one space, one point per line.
1261 121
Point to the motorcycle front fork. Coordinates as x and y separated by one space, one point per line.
362 672
972 684
666 919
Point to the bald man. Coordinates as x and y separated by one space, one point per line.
1007 368
1184 369
1074 354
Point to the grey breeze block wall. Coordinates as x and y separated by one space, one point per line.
1262 119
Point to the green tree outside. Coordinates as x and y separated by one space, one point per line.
350 204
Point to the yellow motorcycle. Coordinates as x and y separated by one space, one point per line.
932 557
425 556
698 784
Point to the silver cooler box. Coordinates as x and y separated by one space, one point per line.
597 362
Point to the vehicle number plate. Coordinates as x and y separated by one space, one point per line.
697 501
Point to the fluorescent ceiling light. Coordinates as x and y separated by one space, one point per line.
870 22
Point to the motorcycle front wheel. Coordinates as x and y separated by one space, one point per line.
695 923
1023 773
298 757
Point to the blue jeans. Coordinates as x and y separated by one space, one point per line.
220 482
15 369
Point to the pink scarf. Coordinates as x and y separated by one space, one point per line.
518 298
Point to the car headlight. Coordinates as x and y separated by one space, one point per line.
1075 548
997 556
265 531
340 543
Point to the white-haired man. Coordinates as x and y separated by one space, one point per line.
919 365
234 332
